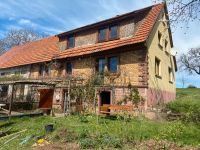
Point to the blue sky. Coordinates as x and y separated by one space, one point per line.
55 16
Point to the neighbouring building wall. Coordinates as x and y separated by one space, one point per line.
161 88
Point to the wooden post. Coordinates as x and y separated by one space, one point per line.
68 96
11 100
65 102
95 95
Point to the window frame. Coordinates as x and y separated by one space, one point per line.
106 36
97 64
69 42
108 64
109 32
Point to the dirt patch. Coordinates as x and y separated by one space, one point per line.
162 144
58 146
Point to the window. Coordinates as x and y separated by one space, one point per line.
160 39
108 33
170 74
102 35
113 32
69 68
113 64
71 41
101 65
157 67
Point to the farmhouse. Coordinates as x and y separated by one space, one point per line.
132 49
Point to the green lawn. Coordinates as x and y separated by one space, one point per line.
107 133
86 132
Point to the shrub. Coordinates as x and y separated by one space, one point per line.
190 111
191 86
87 143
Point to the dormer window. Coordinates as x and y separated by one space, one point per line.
108 33
102 34
71 41
113 32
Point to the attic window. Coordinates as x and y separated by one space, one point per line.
71 41
108 33
113 32
102 35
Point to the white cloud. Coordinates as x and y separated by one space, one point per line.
26 22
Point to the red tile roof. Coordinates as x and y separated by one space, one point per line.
29 53
45 49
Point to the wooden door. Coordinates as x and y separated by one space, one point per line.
46 98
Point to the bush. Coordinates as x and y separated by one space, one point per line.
191 86
189 110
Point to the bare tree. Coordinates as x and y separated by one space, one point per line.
18 37
190 61
182 10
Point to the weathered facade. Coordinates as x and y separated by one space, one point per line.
130 49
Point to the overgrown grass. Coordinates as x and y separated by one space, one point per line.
114 133
187 103
107 133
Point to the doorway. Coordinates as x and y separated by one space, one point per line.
46 98
105 98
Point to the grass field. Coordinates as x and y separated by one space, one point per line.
85 132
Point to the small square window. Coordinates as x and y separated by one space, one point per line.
113 64
102 35
113 32
71 41
69 68
157 67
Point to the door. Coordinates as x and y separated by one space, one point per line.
46 98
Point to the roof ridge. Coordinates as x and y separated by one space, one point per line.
109 19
